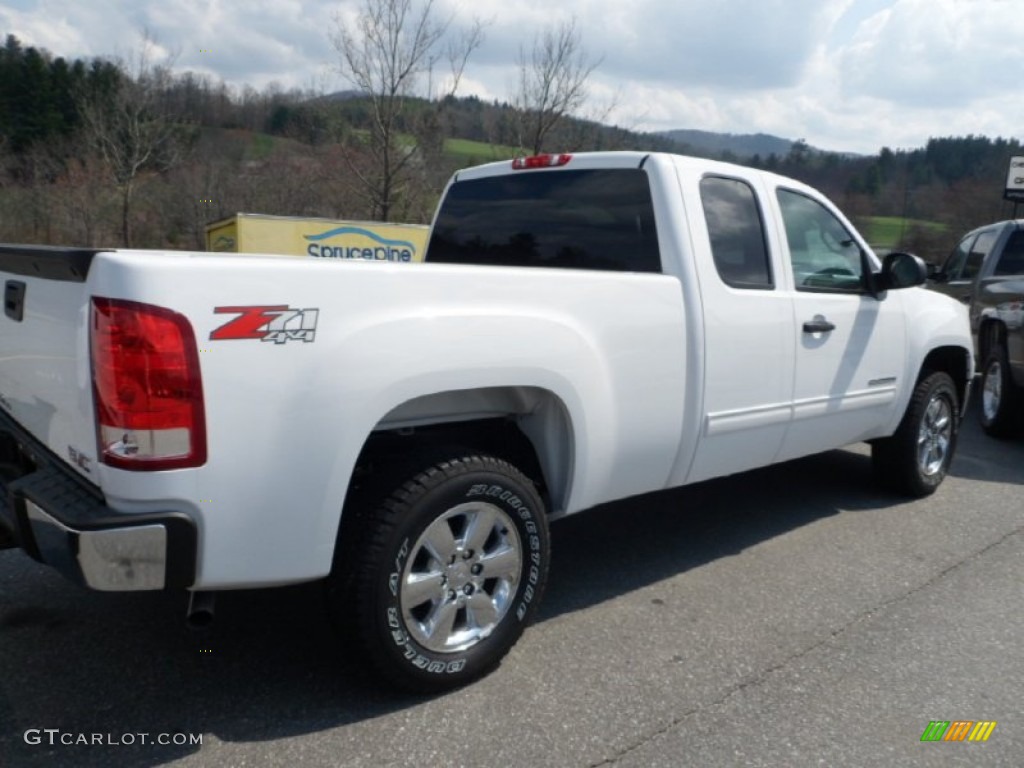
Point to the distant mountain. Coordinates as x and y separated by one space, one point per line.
343 95
741 145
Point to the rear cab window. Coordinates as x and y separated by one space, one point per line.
597 219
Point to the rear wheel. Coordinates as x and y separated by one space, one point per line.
448 571
915 460
1000 397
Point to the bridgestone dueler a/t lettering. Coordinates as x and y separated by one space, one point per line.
449 571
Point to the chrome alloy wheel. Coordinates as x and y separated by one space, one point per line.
935 435
460 577
992 392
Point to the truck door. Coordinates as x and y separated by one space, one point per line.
850 346
748 329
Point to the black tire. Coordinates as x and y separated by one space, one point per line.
915 459
1000 397
448 571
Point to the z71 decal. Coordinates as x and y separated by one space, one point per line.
278 324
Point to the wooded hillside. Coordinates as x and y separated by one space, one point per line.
111 153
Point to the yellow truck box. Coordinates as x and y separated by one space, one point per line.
317 238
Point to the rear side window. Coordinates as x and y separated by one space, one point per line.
1011 262
587 219
736 233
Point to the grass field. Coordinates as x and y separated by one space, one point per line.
885 231
471 152
261 147
464 151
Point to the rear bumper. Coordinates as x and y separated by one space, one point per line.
60 520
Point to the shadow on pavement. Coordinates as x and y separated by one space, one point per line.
272 666
980 457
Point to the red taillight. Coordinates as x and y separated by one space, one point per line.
540 161
146 387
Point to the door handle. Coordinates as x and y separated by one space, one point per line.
818 325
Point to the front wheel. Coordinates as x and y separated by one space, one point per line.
915 460
449 570
1000 398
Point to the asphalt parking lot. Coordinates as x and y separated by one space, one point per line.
792 616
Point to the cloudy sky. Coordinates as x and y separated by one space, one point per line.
846 75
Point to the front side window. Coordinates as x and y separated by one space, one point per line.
823 254
736 233
587 219
957 259
978 253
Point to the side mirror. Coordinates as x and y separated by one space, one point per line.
901 270
935 273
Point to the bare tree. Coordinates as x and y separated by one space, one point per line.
389 54
80 195
130 125
552 83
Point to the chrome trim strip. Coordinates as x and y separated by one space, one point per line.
850 401
724 422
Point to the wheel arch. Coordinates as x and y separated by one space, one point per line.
954 361
991 331
528 426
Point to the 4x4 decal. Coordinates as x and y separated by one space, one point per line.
278 324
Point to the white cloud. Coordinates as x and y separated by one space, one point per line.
844 74
43 28
925 53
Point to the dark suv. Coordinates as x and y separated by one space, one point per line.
986 272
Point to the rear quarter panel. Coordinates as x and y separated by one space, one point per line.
286 421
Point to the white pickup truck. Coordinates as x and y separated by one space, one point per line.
586 328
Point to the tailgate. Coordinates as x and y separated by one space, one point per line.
45 379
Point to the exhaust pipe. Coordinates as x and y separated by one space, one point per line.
200 610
